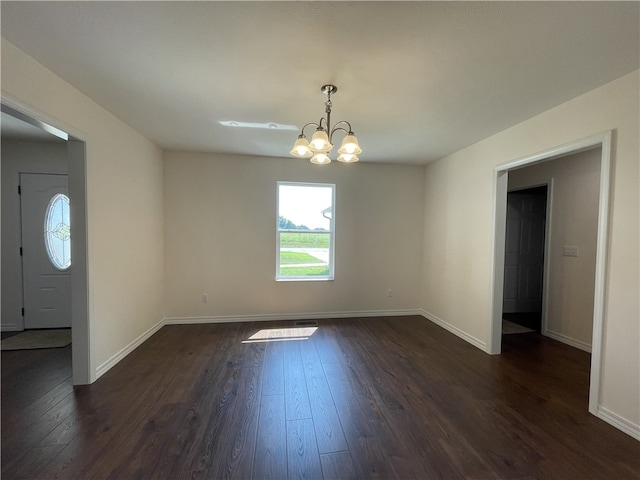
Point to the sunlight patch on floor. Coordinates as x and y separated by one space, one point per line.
281 334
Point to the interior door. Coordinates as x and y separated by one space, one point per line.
524 252
46 252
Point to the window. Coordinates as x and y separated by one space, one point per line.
305 231
57 232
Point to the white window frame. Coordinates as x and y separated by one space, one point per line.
331 232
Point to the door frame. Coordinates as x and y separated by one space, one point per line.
81 345
500 186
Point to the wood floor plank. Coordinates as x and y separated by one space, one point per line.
273 373
239 441
210 419
295 385
325 340
329 434
303 459
337 466
271 446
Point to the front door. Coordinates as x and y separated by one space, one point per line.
46 252
524 252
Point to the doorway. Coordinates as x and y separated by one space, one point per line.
74 158
603 143
524 257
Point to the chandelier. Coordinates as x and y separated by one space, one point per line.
320 146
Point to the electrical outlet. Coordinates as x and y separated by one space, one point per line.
389 293
205 298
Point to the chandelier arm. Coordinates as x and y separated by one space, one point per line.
345 122
336 128
310 123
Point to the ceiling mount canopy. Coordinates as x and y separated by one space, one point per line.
320 145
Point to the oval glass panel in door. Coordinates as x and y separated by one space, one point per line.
57 231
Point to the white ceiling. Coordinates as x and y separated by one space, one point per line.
416 80
13 128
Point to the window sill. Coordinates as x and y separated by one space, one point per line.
321 279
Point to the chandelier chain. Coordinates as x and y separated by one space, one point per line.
328 106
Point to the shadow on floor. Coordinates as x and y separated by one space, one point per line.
532 320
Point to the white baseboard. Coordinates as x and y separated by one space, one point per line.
11 328
455 330
619 422
567 340
287 316
109 364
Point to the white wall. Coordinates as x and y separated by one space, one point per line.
459 223
220 230
124 206
20 157
574 182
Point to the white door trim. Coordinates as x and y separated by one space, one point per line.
501 173
83 364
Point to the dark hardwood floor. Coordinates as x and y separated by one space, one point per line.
361 398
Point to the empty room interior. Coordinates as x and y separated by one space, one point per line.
320 240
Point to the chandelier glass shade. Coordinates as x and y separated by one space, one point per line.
320 146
